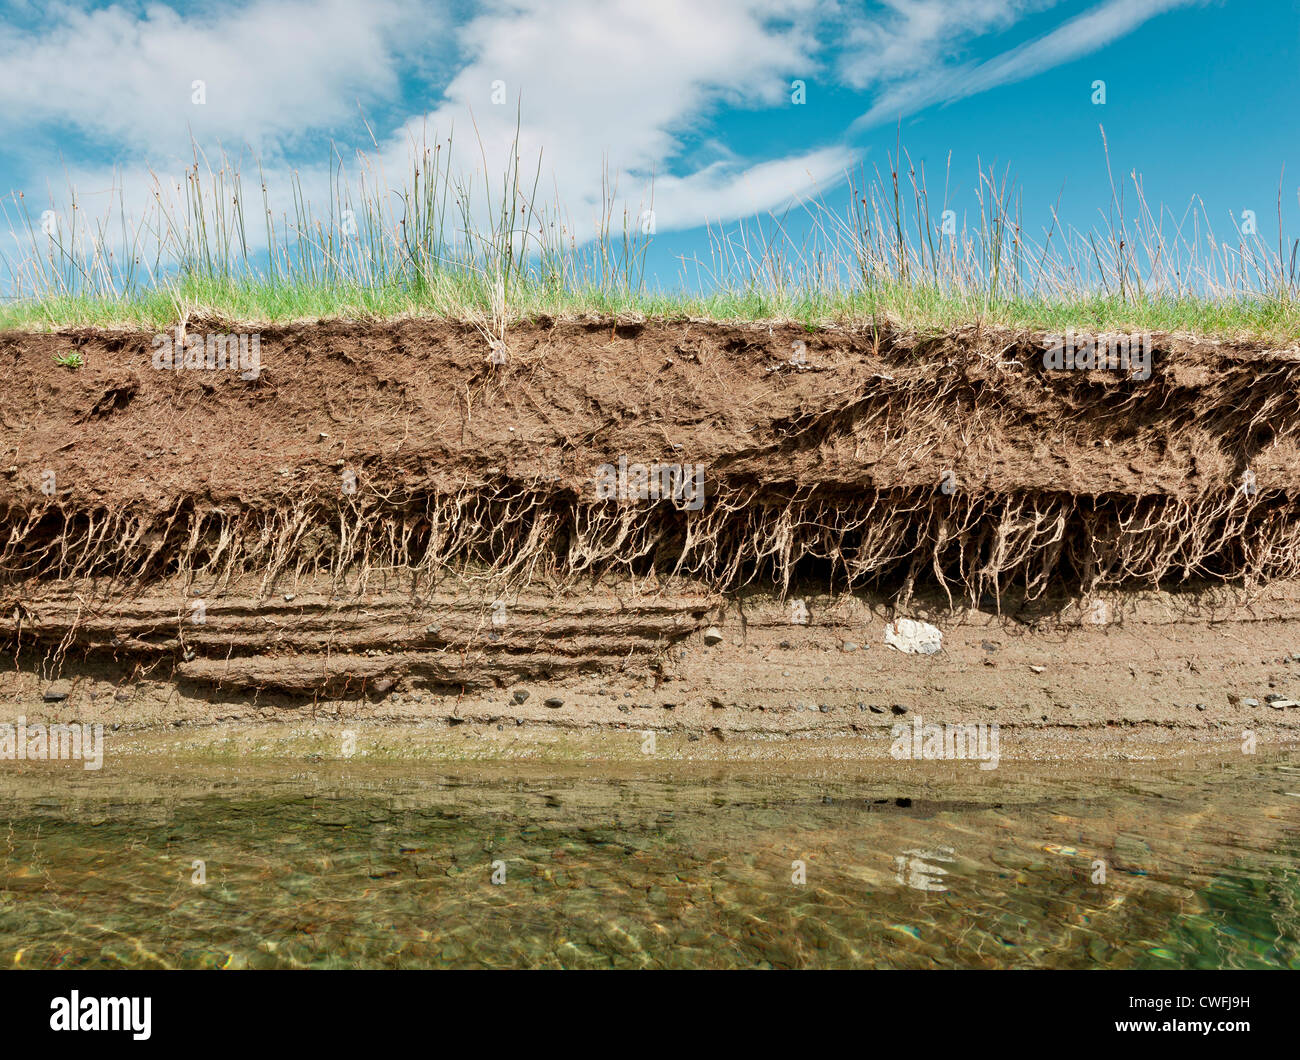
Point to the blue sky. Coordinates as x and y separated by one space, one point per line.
1202 98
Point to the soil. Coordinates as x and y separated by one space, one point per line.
384 528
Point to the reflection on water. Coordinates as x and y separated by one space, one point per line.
198 865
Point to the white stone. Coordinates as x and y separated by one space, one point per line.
915 638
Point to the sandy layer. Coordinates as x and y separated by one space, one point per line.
592 672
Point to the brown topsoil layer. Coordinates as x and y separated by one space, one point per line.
385 526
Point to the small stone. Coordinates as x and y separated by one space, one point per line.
57 692
712 635
1281 704
520 697
913 637
1250 702
898 708
1273 697
288 597
1038 669
554 701
848 646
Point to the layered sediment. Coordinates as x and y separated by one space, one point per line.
386 522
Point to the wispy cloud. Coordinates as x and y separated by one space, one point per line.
626 82
903 40
941 83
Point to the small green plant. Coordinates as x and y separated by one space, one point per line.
69 360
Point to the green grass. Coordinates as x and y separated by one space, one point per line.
929 311
445 245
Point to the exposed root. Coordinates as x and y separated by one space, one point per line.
977 547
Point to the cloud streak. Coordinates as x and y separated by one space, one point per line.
1077 37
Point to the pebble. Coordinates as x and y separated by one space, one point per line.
848 645
712 635
554 701
57 692
520 696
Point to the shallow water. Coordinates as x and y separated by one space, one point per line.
384 866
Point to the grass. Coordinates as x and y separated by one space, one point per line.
926 310
446 244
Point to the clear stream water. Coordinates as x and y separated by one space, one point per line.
356 865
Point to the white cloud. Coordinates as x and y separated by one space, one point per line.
274 69
910 37
938 82
625 82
